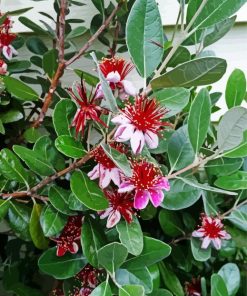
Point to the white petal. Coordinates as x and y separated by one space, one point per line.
129 88
113 77
217 243
7 52
105 178
137 141
197 233
124 132
14 51
115 176
151 139
113 219
120 119
106 213
205 243
94 174
126 187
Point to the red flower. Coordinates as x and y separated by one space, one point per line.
211 230
140 123
120 205
106 170
148 183
3 67
87 110
69 239
115 71
6 25
193 288
5 45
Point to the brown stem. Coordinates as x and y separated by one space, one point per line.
61 28
233 208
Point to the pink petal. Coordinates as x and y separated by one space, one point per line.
124 132
129 88
217 243
156 197
99 91
198 233
113 219
14 51
106 213
105 178
224 234
113 77
120 119
205 243
7 52
61 251
151 139
73 248
94 174
125 187
163 183
141 199
115 176
137 141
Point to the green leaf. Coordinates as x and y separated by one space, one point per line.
63 116
181 55
32 134
19 219
180 151
92 239
231 128
223 166
69 146
35 229
33 26
50 62
110 100
91 195
199 119
99 4
118 158
218 286
175 99
180 196
218 31
131 290
11 116
140 277
52 222
209 203
170 223
235 181
144 21
36 45
201 71
61 267
239 218
103 289
161 292
19 11
239 151
2 129
231 276
198 253
59 198
11 167
170 279
79 31
112 256
153 251
18 66
34 161
131 236
89 78
235 88
20 89
213 12
4 207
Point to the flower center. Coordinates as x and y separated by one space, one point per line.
212 229
115 65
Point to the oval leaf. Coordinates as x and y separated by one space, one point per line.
69 146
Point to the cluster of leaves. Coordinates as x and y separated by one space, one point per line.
43 176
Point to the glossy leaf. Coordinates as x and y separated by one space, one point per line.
198 253
89 78
199 119
180 151
201 71
103 289
69 146
239 218
170 223
19 89
50 62
33 26
223 166
175 99
238 151
59 198
231 276
35 229
11 116
34 161
92 239
52 222
4 207
76 32
235 181
112 256
131 236
218 286
231 128
131 290
36 45
144 21
99 4
153 251
235 88
61 267
18 66
91 195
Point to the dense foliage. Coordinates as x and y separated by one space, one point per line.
107 189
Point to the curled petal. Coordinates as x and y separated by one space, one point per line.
124 132
106 213
163 183
137 141
217 243
129 88
113 77
115 176
105 178
224 234
94 174
113 219
141 199
61 251
205 243
73 248
120 119
151 139
198 233
156 197
126 187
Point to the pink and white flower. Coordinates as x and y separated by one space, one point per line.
140 123
115 71
120 205
148 183
3 67
106 170
211 231
5 45
69 239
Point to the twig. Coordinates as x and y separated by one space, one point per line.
61 28
233 208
